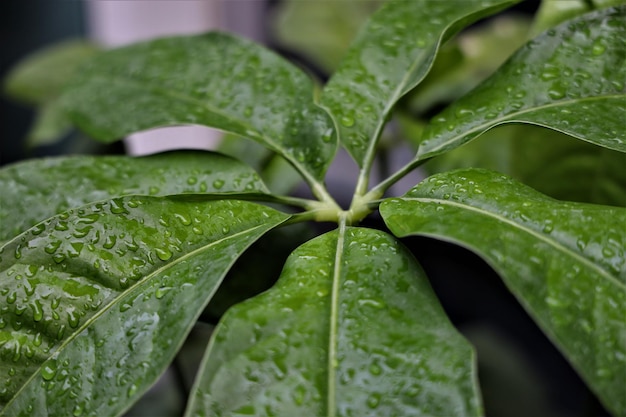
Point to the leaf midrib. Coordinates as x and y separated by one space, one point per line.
506 119
114 301
539 236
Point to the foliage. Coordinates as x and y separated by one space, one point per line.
109 261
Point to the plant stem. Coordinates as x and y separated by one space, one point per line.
378 191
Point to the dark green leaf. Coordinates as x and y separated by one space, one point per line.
351 328
564 261
68 182
97 300
570 79
389 57
215 80
548 161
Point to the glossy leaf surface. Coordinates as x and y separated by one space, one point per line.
570 79
389 57
548 161
564 261
215 80
97 300
353 330
68 182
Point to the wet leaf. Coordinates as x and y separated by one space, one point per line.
570 79
97 300
353 329
389 57
564 261
67 182
214 79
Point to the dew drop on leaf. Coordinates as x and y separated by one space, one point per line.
163 254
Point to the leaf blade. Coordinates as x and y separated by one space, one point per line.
111 305
67 182
564 261
569 79
215 80
386 331
385 62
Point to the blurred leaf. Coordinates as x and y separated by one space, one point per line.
550 162
563 261
98 300
570 79
554 12
50 125
39 77
351 328
67 182
297 25
213 79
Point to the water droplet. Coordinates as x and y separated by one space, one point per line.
153 190
163 254
49 369
218 184
598 47
117 207
548 227
52 247
37 310
192 180
38 229
73 318
375 369
109 242
160 292
373 400
185 221
347 121
132 390
78 410
225 229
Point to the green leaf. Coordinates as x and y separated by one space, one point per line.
554 12
351 328
51 124
67 182
570 79
297 25
389 57
213 79
39 77
545 160
565 262
97 300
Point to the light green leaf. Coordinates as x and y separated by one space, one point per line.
39 77
351 328
545 160
213 79
570 79
565 262
297 26
68 182
51 124
389 57
554 12
97 300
